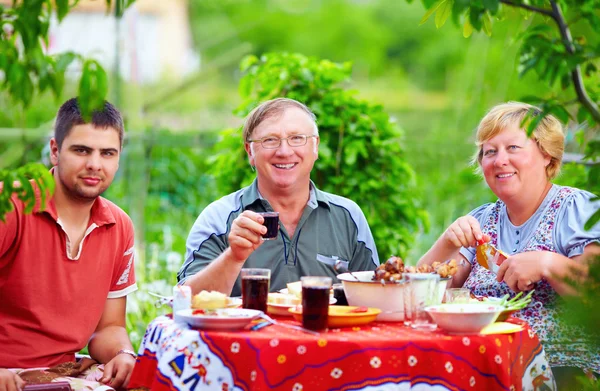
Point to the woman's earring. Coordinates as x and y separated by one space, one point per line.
252 168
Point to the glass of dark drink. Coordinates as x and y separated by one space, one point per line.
315 302
339 295
272 224
255 288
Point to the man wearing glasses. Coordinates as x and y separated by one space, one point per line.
317 229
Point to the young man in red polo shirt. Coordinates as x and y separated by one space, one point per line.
65 272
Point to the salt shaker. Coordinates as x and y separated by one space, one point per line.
182 299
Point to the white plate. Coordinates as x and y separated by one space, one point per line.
234 302
285 292
221 319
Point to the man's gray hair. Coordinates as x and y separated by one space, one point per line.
272 108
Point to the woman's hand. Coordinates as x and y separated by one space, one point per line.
521 271
464 232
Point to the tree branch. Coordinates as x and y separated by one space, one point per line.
576 76
529 8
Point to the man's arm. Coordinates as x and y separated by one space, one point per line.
220 275
109 338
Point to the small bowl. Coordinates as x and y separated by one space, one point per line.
463 318
505 314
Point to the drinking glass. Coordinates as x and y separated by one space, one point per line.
182 299
272 224
255 288
457 295
315 302
422 292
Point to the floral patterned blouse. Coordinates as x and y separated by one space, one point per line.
556 226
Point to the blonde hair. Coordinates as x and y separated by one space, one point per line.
270 109
548 134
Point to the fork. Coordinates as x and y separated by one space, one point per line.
340 267
289 326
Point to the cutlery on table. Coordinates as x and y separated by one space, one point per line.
342 267
489 256
289 326
162 300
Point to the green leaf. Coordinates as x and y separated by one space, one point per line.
561 113
492 5
467 28
63 60
62 8
430 11
248 61
582 115
93 87
592 220
487 24
443 12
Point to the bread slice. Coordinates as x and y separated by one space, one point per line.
283 299
295 288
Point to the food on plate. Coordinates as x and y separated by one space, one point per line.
283 299
510 306
295 288
391 270
446 269
209 300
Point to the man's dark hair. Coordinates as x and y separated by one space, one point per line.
69 115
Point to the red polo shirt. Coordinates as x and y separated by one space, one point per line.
50 303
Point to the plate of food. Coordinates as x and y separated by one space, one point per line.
295 289
218 319
280 303
509 305
343 315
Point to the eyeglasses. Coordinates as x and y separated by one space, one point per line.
297 140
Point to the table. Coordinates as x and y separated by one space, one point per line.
380 356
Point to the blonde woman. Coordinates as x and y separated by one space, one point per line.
539 225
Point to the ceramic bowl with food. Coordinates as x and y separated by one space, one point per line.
362 291
463 318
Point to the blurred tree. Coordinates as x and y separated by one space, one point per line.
27 69
360 154
548 49
374 34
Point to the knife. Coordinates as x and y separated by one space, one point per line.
489 256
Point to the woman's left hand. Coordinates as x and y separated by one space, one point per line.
521 271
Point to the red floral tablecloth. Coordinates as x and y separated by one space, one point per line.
379 356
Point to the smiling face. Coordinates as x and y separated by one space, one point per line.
513 164
86 162
285 167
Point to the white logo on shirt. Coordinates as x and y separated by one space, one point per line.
125 276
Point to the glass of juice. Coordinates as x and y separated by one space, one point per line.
272 224
255 288
315 302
